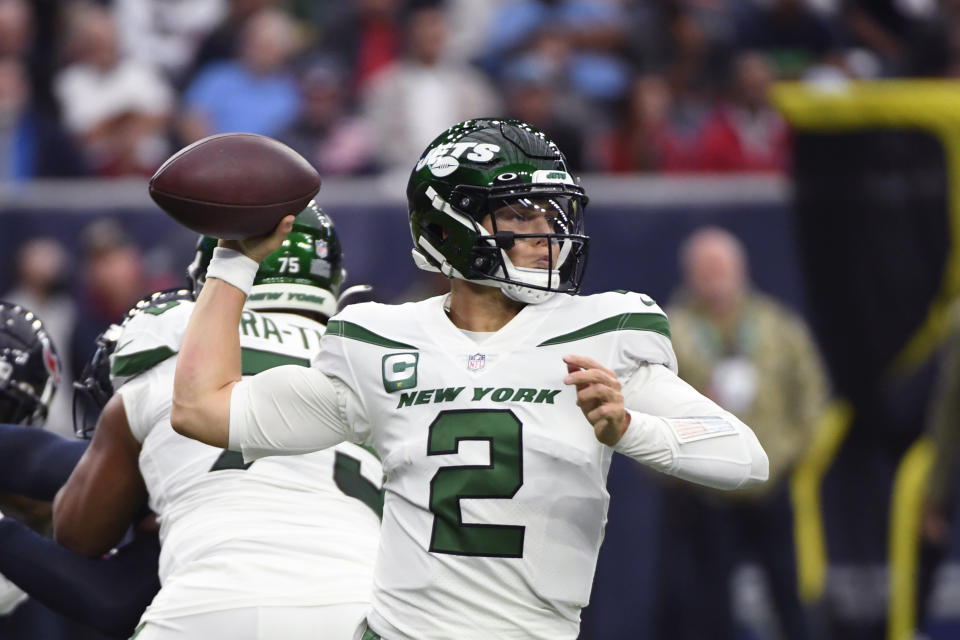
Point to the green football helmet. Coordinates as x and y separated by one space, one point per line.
497 172
305 274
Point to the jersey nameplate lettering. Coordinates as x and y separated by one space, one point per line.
498 394
260 326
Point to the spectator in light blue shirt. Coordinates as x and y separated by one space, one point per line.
32 142
256 92
585 38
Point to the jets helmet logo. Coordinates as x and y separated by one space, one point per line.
444 159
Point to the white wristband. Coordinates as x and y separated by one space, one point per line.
233 268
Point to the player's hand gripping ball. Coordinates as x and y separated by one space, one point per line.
234 185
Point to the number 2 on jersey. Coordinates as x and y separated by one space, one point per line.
500 479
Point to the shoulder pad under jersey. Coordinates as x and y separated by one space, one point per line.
151 333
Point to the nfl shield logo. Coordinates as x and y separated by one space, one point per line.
476 361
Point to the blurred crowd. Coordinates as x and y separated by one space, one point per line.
79 294
111 88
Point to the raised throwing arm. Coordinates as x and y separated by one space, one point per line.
209 362
285 410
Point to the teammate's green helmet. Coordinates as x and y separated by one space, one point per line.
304 274
483 166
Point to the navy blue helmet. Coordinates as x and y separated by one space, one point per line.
29 367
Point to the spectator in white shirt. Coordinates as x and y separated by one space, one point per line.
116 107
166 33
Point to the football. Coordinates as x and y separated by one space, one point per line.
234 185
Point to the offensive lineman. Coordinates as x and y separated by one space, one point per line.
282 548
496 499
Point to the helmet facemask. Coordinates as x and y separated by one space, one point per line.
94 388
197 269
548 228
515 220
22 405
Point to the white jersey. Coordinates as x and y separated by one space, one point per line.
283 531
495 482
496 485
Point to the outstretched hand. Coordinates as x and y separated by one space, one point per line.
259 247
599 397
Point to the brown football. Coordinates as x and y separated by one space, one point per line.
234 185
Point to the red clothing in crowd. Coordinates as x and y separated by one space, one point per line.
734 139
379 46
662 150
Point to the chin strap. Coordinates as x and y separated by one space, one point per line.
525 295
517 288
517 292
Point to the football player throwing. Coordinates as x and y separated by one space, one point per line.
496 408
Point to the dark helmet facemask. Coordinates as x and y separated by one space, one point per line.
548 220
93 389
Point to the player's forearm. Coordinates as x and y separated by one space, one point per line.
678 431
109 594
35 463
729 458
209 365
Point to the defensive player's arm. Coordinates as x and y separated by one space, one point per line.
35 463
108 594
659 420
105 492
282 410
